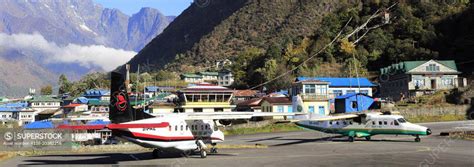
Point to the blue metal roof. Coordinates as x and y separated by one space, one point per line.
98 122
96 92
341 82
82 100
151 88
40 125
13 107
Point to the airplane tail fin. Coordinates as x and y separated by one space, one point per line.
120 107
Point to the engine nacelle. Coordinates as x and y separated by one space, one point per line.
225 122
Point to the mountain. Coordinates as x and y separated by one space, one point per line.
268 38
73 37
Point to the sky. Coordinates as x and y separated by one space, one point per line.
130 7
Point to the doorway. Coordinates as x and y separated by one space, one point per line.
433 84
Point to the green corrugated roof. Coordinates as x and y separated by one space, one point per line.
190 75
209 73
406 66
45 99
96 102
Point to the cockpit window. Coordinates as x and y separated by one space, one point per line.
401 120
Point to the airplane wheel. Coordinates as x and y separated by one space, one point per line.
214 150
367 138
417 139
203 154
351 138
156 153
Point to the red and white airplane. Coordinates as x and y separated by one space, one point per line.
166 132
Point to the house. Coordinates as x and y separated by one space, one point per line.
353 102
243 95
206 98
42 103
191 78
225 78
276 104
98 108
252 105
97 94
74 107
310 96
341 86
223 64
16 112
415 78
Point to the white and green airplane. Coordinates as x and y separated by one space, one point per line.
365 125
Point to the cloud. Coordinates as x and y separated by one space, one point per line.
86 56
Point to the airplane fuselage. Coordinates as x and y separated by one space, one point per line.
177 133
372 125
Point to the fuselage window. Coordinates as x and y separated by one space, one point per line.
202 127
350 122
380 122
337 123
181 127
373 122
345 123
384 122
330 122
207 127
169 128
396 123
187 127
176 128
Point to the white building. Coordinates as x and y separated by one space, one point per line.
342 86
225 78
42 103
207 98
415 78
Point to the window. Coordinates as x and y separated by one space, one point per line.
337 123
350 91
169 128
419 82
310 89
366 92
447 81
385 123
330 122
321 89
354 104
396 123
182 128
432 68
337 92
202 127
187 127
280 109
344 122
176 128
373 122
401 120
380 122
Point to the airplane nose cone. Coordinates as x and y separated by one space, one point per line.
428 131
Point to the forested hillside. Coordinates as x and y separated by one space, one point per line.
268 38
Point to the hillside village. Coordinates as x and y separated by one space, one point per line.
209 91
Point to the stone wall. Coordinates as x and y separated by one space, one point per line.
434 111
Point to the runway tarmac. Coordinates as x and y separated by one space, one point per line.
303 148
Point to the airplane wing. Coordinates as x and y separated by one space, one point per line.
338 117
233 115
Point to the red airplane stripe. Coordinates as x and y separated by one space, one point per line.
125 126
137 134
81 127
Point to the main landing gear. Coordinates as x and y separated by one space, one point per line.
201 148
214 148
417 139
351 138
367 138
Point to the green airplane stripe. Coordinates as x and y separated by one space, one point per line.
368 131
